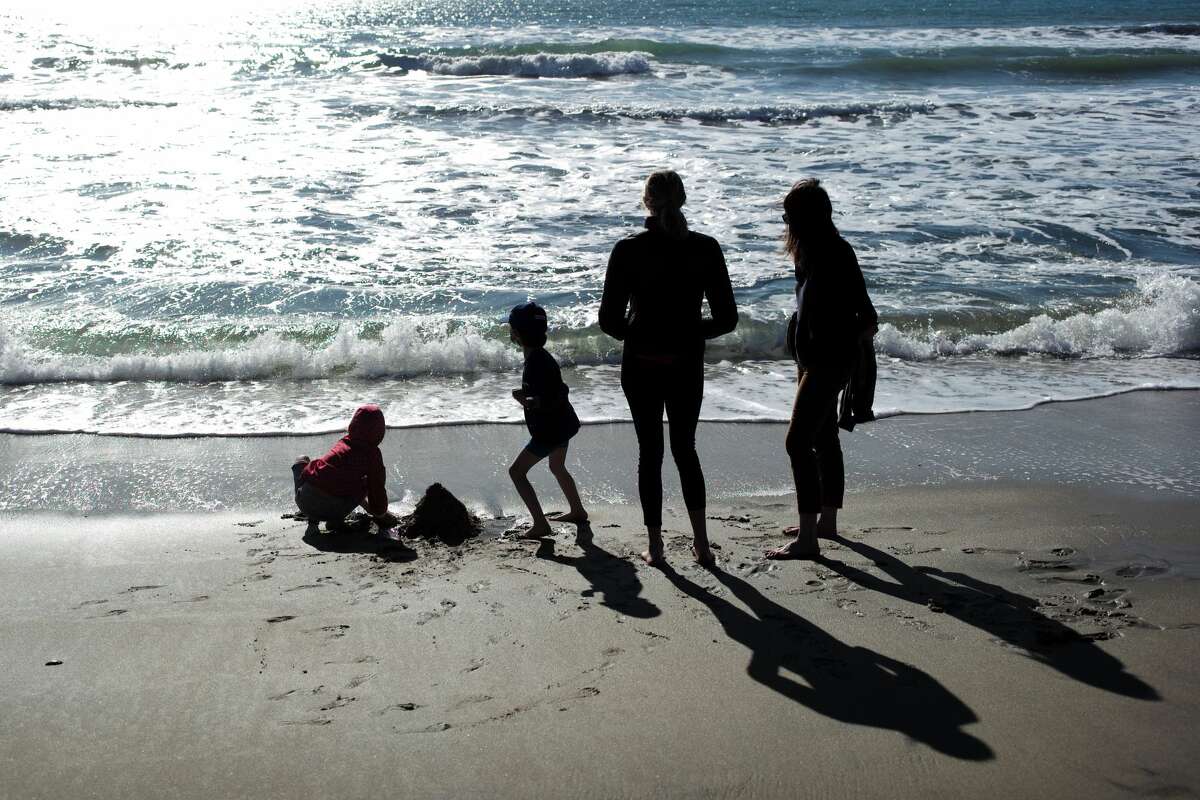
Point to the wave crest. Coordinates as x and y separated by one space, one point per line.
535 65
1161 319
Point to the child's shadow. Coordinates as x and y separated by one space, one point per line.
850 684
1008 616
358 540
614 577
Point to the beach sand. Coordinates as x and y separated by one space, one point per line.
1013 611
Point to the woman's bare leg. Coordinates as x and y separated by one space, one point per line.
700 548
827 524
654 554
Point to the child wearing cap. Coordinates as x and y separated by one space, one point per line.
548 415
350 475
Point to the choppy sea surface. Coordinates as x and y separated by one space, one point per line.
226 222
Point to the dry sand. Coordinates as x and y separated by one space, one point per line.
989 639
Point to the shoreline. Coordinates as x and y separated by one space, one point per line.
1135 442
468 423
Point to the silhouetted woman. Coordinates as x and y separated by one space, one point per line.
833 316
657 281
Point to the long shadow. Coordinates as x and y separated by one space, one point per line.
358 540
850 684
612 576
1010 617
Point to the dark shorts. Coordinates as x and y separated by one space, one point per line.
541 449
318 505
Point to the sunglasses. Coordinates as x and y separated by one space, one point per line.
786 220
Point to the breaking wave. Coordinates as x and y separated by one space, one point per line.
73 103
537 65
1161 319
769 115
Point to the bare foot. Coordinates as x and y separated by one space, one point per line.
704 556
569 517
537 532
793 549
652 559
654 555
827 531
824 532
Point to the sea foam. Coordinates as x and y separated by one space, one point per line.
536 65
1161 319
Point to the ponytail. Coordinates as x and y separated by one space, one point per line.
663 197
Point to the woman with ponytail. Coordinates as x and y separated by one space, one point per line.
656 283
834 318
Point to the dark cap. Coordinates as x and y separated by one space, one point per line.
528 318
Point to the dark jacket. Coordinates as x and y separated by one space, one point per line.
353 467
552 419
654 289
833 310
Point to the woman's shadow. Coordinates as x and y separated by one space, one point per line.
1008 616
612 576
849 684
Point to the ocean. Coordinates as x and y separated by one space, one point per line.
221 222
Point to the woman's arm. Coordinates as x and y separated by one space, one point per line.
615 303
719 292
868 317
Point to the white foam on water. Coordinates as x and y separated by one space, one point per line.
1163 318
537 65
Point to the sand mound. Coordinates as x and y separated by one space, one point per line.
440 515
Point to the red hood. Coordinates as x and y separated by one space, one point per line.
367 425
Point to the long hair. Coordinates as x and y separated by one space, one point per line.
664 197
809 218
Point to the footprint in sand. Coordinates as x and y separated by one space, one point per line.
318 721
283 695
444 608
116 612
359 680
280 618
395 707
1142 570
133 589
337 702
469 700
331 631
436 727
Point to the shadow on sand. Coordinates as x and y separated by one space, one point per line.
612 576
1007 616
849 684
358 539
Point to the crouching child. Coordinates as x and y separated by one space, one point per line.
350 475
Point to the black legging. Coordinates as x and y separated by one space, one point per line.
652 385
812 443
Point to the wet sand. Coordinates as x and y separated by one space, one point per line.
989 637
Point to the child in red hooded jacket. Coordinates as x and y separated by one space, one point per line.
351 474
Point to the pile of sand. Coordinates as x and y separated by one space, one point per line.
440 515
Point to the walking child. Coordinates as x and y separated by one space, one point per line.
548 415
